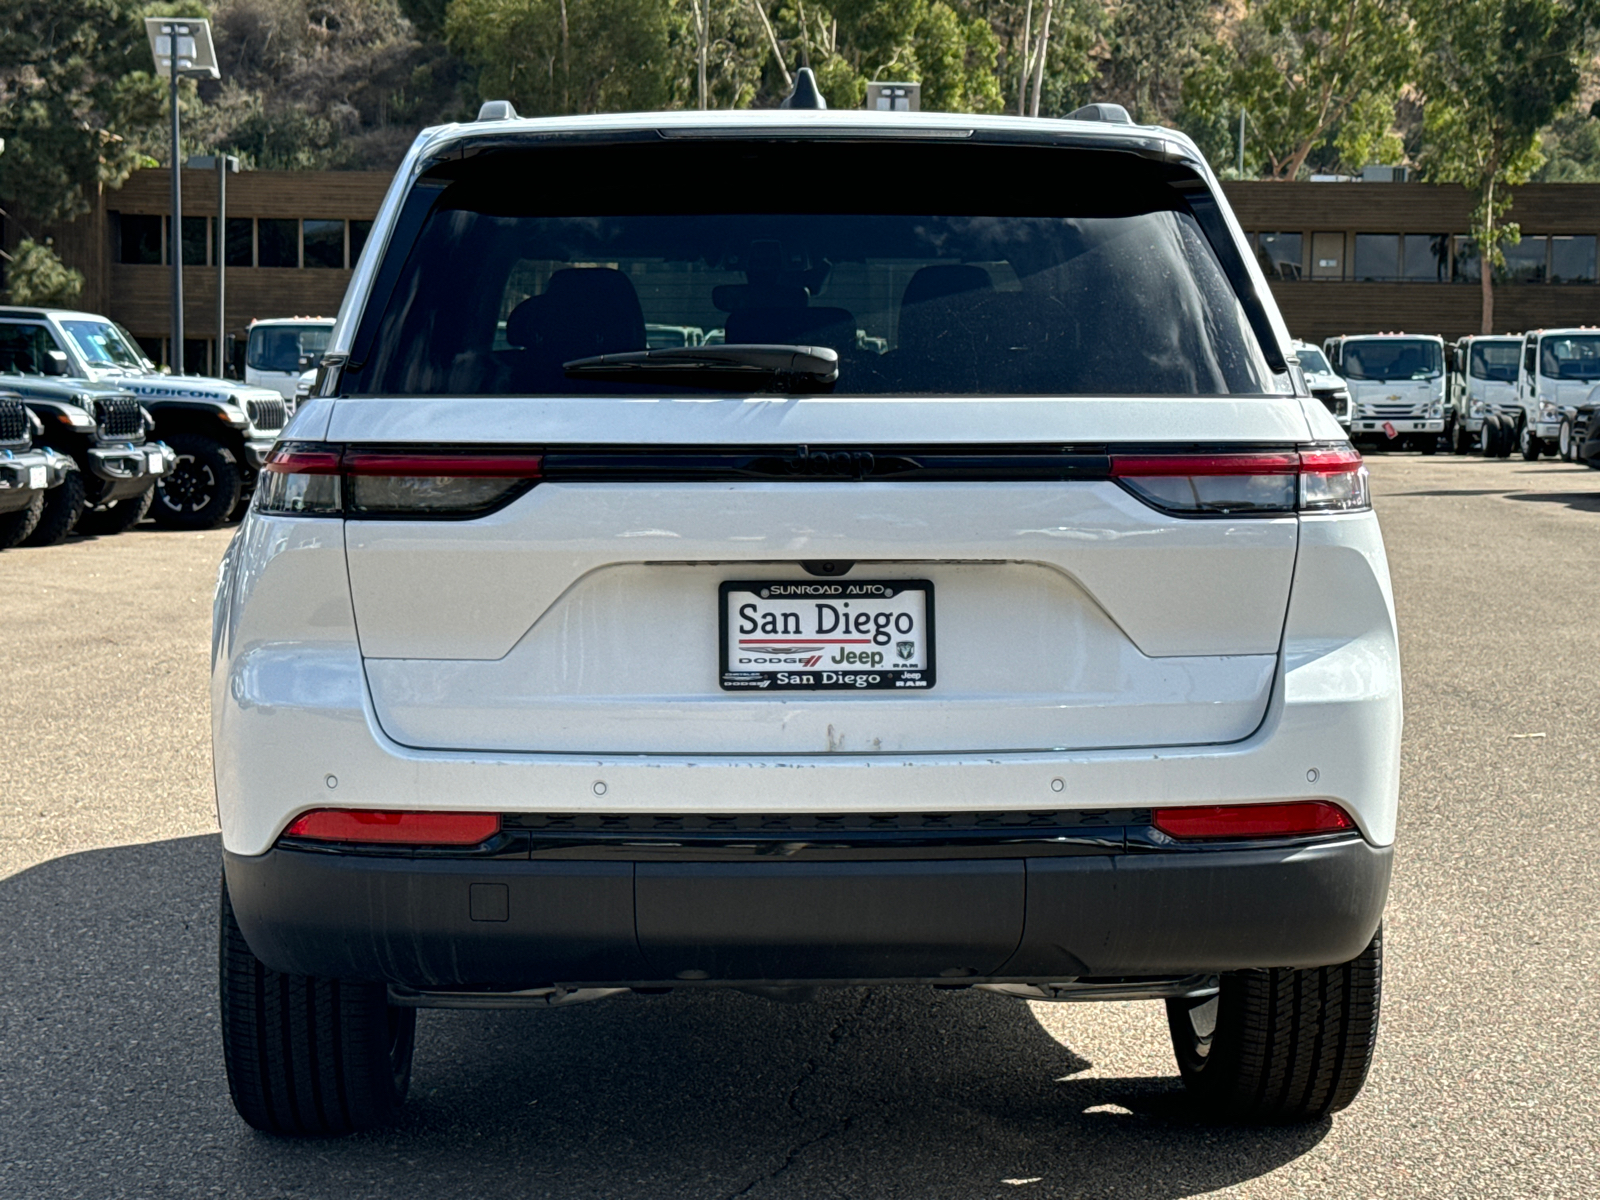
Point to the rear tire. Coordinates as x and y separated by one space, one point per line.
1508 438
201 489
306 1056
63 507
1281 1046
1529 444
121 516
14 526
1460 439
1489 439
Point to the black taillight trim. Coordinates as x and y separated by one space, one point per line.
528 466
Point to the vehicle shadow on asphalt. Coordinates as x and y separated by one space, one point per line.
113 1081
1579 501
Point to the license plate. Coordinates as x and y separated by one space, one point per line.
826 635
36 478
155 462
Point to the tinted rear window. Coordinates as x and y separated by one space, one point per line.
929 269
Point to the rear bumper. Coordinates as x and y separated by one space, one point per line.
509 924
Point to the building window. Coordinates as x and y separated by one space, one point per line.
324 243
1425 258
1327 255
277 242
360 229
241 248
1377 257
139 239
1572 259
1278 253
194 240
1464 264
1526 262
155 349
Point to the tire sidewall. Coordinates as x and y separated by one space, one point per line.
203 487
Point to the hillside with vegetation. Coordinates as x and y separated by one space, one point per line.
1485 93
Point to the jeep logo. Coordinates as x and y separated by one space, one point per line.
842 464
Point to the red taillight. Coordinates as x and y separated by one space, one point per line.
1166 465
300 479
1268 482
292 459
315 479
1253 820
1333 479
451 466
395 828
467 483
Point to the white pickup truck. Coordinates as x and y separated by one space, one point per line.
1559 369
1396 383
1483 394
1324 382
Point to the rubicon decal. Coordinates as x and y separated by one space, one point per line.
855 635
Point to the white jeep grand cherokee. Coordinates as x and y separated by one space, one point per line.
994 608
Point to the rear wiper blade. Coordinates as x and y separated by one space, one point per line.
777 368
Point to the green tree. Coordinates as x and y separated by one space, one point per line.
949 48
75 93
34 275
1501 71
566 56
1313 76
1153 46
1571 149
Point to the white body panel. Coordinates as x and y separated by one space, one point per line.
1115 657
291 708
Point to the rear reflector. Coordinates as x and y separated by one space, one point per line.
1324 479
315 479
1252 820
395 828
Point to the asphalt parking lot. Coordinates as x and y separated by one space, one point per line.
1488 1066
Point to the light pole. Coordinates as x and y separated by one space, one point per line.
180 47
224 165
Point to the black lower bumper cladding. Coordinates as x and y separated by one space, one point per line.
1003 897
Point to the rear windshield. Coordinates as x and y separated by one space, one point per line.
929 269
1495 360
1570 356
280 347
1393 360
